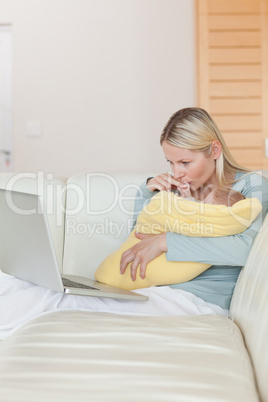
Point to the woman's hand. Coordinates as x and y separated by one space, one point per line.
185 190
165 182
150 247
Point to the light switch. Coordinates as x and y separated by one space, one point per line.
34 129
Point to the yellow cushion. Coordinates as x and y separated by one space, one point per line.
168 213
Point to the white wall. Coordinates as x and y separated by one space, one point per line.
102 77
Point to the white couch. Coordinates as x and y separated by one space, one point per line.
82 356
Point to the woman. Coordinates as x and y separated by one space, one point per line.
199 157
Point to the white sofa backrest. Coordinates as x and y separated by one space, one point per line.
249 307
53 191
99 217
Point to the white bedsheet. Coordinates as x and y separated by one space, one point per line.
21 301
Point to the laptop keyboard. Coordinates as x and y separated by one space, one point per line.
71 284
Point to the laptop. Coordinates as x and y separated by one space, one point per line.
27 251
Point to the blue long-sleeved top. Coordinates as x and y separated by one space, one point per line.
227 255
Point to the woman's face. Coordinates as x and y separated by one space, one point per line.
193 167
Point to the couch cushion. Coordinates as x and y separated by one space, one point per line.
81 356
52 190
99 218
249 308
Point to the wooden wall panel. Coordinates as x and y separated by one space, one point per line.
238 123
248 89
246 155
234 38
235 56
236 139
235 72
264 28
235 106
232 73
233 6
234 22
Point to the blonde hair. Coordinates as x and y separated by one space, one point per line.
226 196
194 129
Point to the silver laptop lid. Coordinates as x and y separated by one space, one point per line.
26 248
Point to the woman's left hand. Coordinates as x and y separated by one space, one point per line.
150 247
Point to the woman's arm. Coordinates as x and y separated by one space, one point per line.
142 253
228 250
151 246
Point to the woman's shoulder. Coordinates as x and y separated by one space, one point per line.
254 177
251 182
